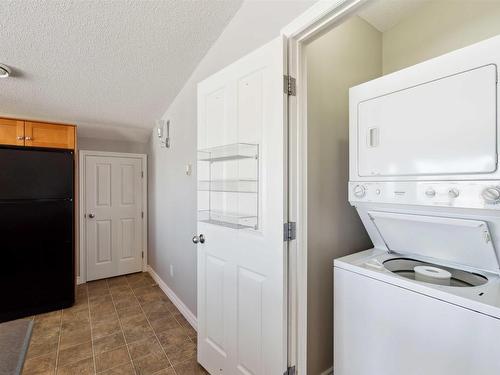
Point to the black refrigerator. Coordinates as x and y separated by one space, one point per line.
36 231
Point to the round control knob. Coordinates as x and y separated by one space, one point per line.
430 192
453 193
359 191
491 194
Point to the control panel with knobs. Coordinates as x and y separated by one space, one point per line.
430 192
359 191
491 194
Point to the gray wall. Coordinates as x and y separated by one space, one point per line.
172 194
346 56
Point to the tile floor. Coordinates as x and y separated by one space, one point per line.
123 325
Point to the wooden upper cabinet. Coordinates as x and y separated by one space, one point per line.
40 134
11 132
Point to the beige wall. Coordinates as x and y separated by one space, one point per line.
437 28
348 55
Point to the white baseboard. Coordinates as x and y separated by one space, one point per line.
328 372
78 280
190 317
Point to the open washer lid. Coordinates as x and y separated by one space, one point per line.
457 241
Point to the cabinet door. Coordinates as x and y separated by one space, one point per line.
39 134
11 132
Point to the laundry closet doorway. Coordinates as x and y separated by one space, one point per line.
113 217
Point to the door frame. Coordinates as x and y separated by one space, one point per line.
319 18
82 154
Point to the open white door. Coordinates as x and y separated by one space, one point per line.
242 289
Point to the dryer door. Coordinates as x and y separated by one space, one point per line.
443 127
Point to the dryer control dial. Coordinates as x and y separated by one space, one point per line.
491 194
453 193
430 192
359 191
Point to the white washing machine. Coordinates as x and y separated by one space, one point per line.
425 180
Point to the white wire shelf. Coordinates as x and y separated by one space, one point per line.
228 219
229 186
235 151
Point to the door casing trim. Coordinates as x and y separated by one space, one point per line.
316 20
82 250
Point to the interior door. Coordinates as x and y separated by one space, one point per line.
11 132
242 303
113 216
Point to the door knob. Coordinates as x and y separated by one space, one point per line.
200 239
28 138
20 137
91 216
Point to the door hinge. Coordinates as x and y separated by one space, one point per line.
142 214
142 255
289 85
289 231
290 371
142 174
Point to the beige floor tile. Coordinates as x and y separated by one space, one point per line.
125 302
106 328
36 350
103 316
190 367
107 343
144 347
83 367
106 306
151 363
166 371
75 325
183 352
172 338
138 319
137 333
40 365
155 307
101 299
74 353
130 311
125 369
112 358
168 322
118 281
72 338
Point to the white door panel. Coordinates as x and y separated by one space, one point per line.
451 131
113 196
241 179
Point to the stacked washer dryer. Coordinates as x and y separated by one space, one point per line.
425 180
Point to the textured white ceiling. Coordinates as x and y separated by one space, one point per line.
111 67
385 14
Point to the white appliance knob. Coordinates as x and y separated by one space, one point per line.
453 193
491 194
359 191
430 192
